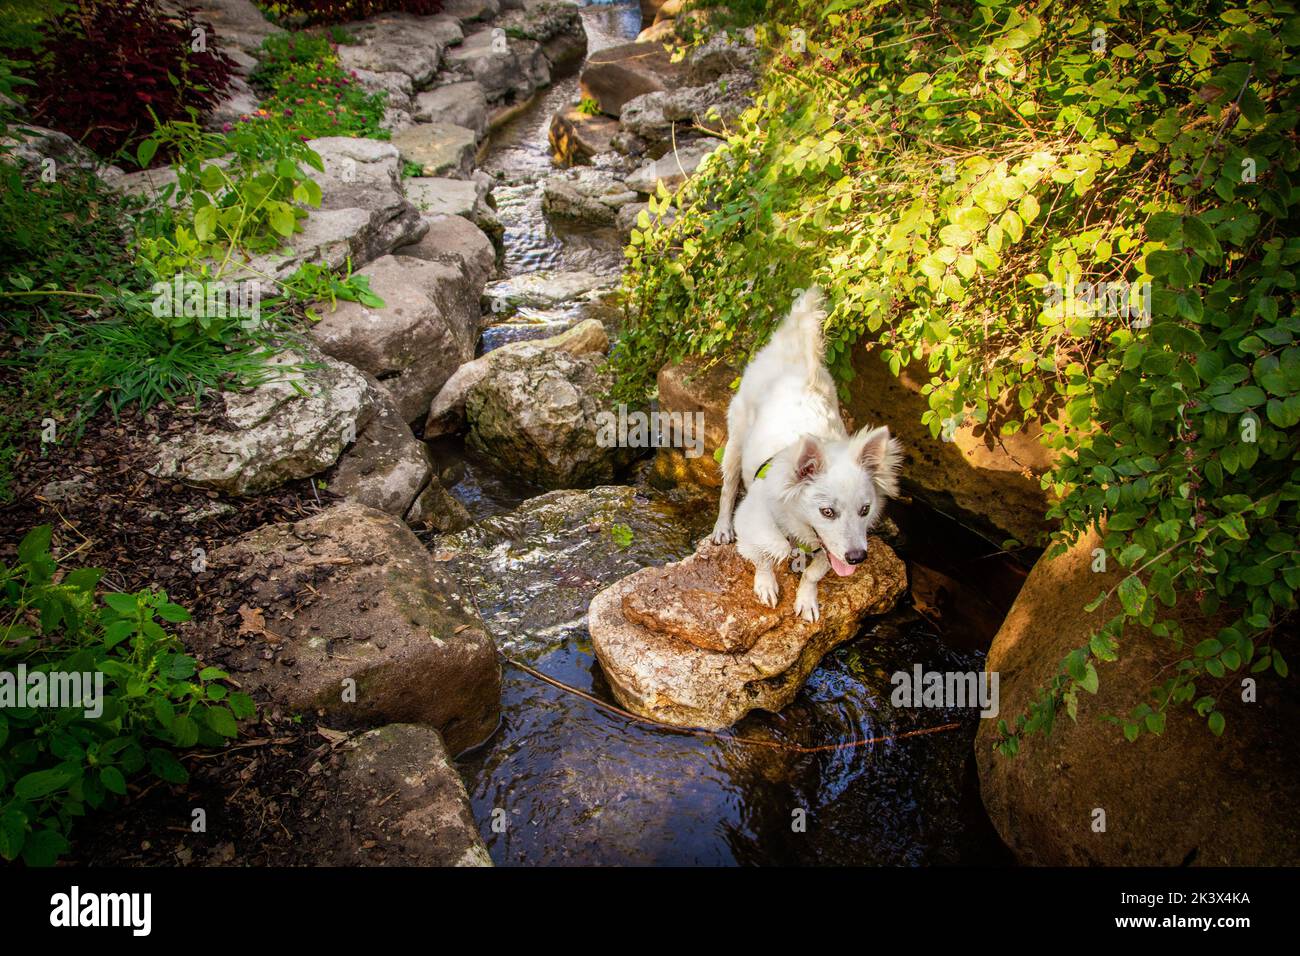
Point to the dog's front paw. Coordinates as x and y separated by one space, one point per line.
722 533
806 606
765 586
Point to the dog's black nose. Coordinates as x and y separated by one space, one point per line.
855 557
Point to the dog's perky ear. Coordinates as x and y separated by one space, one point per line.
881 456
810 460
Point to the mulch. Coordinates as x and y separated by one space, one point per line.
107 512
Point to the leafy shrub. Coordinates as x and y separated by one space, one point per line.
249 202
144 71
297 13
301 80
57 763
944 178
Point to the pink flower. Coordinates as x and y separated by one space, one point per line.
226 127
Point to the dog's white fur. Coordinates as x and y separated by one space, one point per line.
786 411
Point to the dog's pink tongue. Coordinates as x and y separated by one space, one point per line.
842 568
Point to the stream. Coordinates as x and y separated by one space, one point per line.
564 780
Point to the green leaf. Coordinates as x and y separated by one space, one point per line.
144 153
913 83
205 223
283 220
173 613
113 780
42 783
1132 595
222 721
167 767
35 544
44 847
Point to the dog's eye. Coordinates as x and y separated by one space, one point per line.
864 511
828 512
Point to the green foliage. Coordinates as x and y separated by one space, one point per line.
247 202
135 359
314 282
301 79
622 535
588 107
56 763
67 234
962 183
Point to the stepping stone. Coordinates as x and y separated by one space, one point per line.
690 645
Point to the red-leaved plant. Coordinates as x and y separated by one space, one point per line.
108 65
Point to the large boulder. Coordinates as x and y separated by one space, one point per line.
396 801
427 327
538 409
439 149
456 240
616 74
396 86
447 411
344 612
507 69
587 195
468 11
387 468
673 168
1180 797
723 53
37 149
400 43
690 644
458 104
294 425
557 26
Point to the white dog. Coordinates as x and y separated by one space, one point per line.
808 483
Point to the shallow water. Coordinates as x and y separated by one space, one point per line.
519 154
565 780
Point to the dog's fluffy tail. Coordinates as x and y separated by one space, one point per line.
802 329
